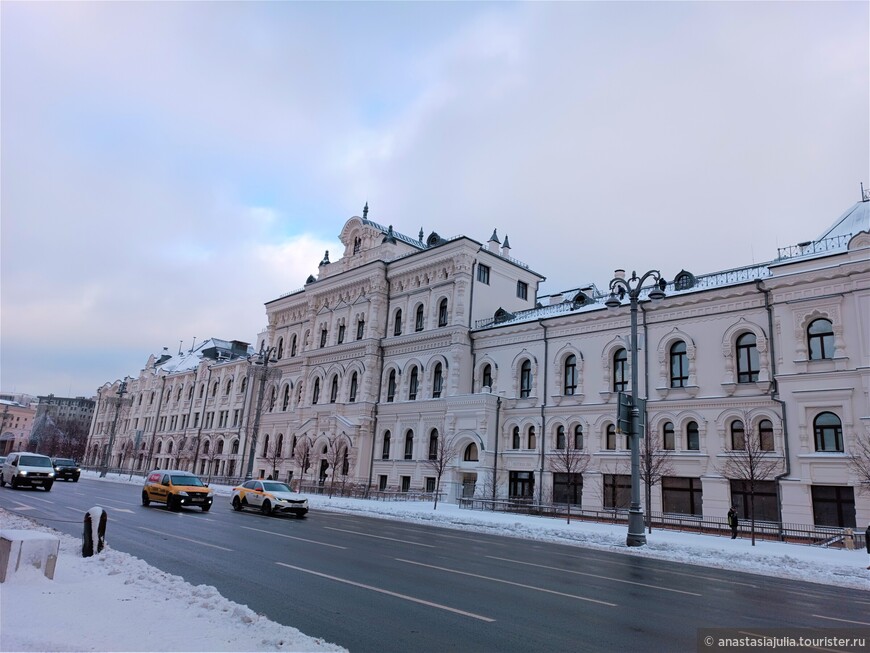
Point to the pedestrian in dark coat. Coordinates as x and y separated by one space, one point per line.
732 522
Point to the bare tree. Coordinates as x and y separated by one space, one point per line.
859 462
339 457
655 464
442 452
72 439
273 454
302 454
572 462
491 485
752 463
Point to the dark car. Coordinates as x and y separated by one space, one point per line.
66 468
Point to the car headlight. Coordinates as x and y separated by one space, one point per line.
183 494
51 473
22 472
78 469
210 492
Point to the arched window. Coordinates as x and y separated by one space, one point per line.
442 312
679 365
828 432
738 436
280 353
470 452
570 386
560 437
437 381
357 243
159 447
385 451
578 437
286 400
293 345
220 447
532 439
265 445
526 379
397 323
391 386
235 447
315 397
747 359
765 435
693 438
333 391
409 445
413 384
486 377
668 436
340 338
189 394
214 388
418 319
178 396
169 447
820 339
323 335
273 397
433 445
205 446
279 448
229 387
620 370
360 328
244 385
610 443
353 386
516 439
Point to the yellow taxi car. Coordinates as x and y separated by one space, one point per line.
269 497
176 489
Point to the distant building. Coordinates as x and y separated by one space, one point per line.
405 344
61 425
16 421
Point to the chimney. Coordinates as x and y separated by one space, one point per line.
493 242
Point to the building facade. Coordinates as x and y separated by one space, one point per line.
403 345
16 422
60 426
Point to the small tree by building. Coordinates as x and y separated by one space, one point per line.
859 462
442 452
302 456
339 457
571 461
273 454
752 464
491 485
655 463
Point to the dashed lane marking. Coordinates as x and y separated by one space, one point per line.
379 537
293 537
186 539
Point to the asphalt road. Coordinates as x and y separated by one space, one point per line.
379 586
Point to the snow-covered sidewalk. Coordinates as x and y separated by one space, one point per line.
116 602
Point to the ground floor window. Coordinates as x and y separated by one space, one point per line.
522 485
430 483
406 483
681 495
765 500
833 505
567 488
617 491
382 481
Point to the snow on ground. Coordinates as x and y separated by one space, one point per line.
116 602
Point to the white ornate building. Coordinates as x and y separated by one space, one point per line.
402 342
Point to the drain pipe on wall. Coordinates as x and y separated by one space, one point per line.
495 453
543 417
774 395
378 398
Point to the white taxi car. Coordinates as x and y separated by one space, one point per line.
269 497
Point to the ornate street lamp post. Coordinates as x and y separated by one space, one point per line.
118 401
619 288
261 369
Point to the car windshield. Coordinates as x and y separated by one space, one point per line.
35 461
186 479
64 461
271 486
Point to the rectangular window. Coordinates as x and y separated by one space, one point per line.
483 274
382 481
521 485
567 488
681 495
430 483
360 329
522 290
406 483
833 505
323 338
340 333
765 500
617 491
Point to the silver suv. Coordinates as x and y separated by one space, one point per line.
24 468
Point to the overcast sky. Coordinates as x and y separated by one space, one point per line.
167 168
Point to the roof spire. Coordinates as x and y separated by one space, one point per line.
421 234
366 211
865 194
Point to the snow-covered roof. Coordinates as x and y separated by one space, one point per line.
212 349
853 221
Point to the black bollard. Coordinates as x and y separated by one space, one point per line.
99 515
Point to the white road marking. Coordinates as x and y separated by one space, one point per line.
581 573
187 539
847 621
509 582
389 593
379 537
291 537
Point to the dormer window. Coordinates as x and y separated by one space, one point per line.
357 244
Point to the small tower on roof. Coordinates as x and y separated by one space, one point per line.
493 242
506 247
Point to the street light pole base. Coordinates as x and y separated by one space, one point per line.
636 536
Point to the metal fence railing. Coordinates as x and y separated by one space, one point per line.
812 535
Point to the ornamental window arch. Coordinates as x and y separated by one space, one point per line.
569 371
677 362
819 334
486 374
745 354
616 367
525 366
